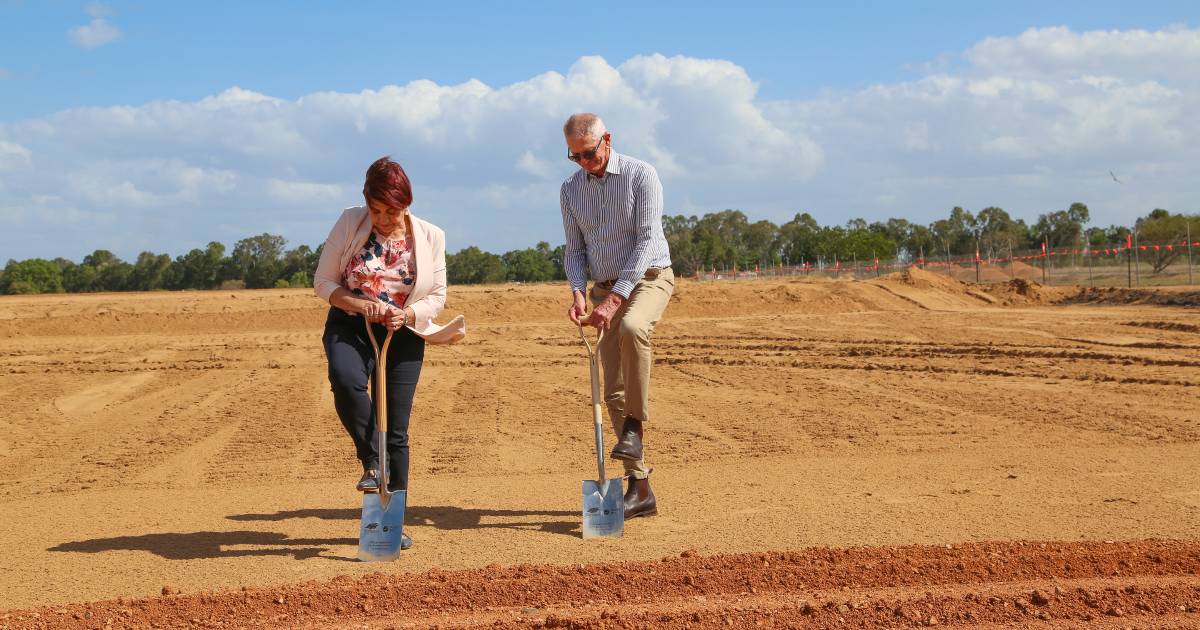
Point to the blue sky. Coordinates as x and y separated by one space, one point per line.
870 109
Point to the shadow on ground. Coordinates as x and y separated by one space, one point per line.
445 517
199 545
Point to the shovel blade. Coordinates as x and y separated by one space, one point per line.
380 530
603 509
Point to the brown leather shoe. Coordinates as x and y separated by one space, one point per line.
629 446
635 507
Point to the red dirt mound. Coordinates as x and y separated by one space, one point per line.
1020 291
921 279
1017 584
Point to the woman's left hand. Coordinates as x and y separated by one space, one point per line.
397 318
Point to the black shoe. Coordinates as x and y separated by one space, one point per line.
368 483
405 541
634 507
629 447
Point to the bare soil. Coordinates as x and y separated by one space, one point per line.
894 452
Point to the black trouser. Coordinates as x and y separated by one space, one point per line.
351 366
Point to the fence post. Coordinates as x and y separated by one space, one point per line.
976 261
1129 259
1091 282
1137 261
1189 244
1045 260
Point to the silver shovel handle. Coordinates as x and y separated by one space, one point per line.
594 368
381 426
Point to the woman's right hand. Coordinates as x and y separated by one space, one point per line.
373 310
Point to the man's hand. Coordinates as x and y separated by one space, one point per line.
603 313
578 308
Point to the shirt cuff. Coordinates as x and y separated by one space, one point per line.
623 288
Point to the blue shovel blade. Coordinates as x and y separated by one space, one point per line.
603 509
380 530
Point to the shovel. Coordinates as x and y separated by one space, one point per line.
603 505
382 511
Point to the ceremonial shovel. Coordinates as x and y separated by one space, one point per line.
603 505
382 524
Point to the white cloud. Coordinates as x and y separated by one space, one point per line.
5 74
533 165
147 183
1172 53
1027 122
304 192
98 10
96 33
14 157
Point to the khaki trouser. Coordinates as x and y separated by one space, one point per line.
625 351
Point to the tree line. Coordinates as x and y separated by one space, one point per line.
720 239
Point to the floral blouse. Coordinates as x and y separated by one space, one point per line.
382 270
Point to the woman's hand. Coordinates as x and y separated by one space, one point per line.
374 310
399 317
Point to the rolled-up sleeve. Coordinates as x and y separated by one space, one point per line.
575 258
647 214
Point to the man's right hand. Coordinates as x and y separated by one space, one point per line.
578 309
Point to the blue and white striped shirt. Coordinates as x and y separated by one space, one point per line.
613 224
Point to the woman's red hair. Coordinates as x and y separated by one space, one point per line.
388 184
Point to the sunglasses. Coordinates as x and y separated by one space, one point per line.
586 155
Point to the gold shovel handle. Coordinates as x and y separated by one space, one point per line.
381 426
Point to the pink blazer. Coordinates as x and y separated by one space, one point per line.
428 296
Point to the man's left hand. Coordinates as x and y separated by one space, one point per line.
602 315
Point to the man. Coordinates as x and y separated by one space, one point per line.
612 215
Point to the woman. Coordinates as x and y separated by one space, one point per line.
384 264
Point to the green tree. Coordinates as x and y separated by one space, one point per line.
528 265
762 244
861 243
685 255
1062 227
1160 228
198 269
558 257
257 260
723 238
100 270
999 233
955 235
474 266
798 239
35 275
149 273
299 266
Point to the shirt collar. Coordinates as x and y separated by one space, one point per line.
613 168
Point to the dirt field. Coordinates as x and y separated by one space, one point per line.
898 452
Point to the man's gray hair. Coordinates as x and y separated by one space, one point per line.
584 125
